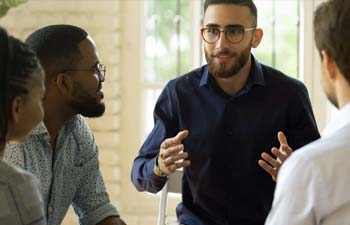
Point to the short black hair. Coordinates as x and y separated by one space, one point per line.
332 32
248 3
18 64
57 47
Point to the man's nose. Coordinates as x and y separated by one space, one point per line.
222 42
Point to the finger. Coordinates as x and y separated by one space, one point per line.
174 140
282 138
286 149
173 150
166 143
180 136
173 159
273 162
184 163
280 155
267 168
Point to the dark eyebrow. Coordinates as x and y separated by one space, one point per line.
213 25
234 26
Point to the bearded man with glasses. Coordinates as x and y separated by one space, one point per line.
216 121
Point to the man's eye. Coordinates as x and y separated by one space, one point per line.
234 31
212 31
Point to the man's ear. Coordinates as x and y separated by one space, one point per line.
64 83
16 109
258 33
329 66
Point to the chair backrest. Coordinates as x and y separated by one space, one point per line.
173 185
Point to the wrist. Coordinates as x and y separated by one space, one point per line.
156 169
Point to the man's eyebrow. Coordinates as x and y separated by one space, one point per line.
234 26
212 25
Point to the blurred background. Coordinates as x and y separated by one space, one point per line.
144 44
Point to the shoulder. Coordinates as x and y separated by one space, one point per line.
15 176
78 125
278 79
187 80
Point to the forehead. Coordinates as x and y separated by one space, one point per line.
228 14
89 55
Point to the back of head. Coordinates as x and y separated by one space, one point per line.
248 3
332 32
18 64
57 47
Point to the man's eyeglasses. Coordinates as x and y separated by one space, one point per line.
100 70
233 34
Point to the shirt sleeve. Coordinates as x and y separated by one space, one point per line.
302 127
296 195
165 126
91 202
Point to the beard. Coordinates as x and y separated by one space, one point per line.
224 70
85 104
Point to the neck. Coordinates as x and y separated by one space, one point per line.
343 92
56 115
235 83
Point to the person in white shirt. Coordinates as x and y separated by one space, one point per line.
313 185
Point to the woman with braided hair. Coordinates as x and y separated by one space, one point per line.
21 92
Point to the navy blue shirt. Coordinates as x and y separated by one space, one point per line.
227 134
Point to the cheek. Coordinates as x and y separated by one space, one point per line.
37 114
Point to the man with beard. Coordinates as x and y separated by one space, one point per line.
313 185
217 120
62 151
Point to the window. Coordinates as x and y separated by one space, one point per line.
171 47
280 44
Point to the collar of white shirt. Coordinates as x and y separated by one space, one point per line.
340 119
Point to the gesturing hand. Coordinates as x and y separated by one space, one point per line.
171 155
272 165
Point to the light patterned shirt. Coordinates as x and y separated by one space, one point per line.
20 200
70 176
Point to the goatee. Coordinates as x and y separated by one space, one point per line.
223 70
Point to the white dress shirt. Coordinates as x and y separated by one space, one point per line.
313 185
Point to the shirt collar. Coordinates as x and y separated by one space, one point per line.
41 128
256 76
340 119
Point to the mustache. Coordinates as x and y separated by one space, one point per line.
224 52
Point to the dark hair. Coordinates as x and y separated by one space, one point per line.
57 47
248 3
18 64
332 32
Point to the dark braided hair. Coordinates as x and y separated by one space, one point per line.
18 64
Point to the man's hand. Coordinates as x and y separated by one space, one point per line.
171 155
271 165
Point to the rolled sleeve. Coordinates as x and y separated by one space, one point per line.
99 214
